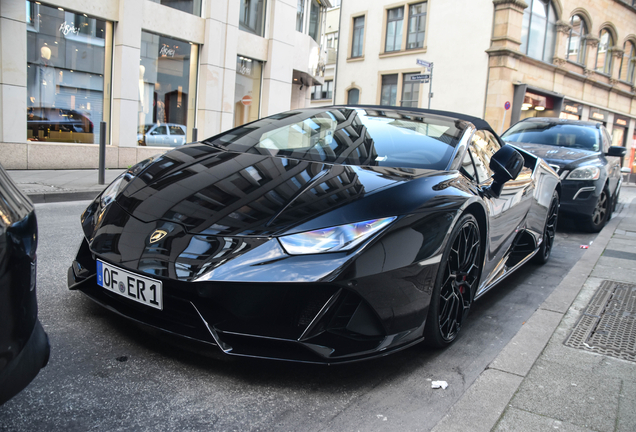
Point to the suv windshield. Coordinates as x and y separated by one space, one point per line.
580 136
399 139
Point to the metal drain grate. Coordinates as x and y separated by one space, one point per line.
608 324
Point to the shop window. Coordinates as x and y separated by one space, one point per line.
410 91
395 19
300 15
577 41
628 63
417 26
189 6
322 91
353 96
358 37
68 75
314 20
252 16
538 31
603 54
247 91
166 88
388 92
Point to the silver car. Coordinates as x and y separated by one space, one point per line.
162 135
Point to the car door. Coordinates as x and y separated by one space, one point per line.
157 136
507 213
177 135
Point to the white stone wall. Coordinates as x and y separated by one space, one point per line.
217 34
457 36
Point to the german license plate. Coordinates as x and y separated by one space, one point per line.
130 285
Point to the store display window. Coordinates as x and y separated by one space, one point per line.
68 75
167 88
247 93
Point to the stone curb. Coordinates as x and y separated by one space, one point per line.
51 197
514 362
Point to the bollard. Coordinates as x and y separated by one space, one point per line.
102 153
194 134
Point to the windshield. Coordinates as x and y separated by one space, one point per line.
564 135
144 128
351 136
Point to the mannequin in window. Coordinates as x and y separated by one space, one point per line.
44 91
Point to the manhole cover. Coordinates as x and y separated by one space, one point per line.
608 323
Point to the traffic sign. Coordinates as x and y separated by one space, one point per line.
420 77
507 105
423 63
247 100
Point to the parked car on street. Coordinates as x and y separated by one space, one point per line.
582 154
162 135
24 346
321 235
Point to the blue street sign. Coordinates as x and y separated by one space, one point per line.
420 77
423 63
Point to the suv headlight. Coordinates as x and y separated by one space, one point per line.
584 173
333 239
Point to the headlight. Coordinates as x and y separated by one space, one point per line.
585 173
111 192
339 238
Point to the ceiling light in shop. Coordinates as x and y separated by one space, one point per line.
539 108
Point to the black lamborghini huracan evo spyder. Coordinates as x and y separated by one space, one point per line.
319 235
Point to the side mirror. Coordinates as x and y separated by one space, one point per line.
616 151
506 165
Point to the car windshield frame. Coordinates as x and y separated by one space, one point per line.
569 135
351 136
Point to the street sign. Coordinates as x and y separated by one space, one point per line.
420 77
423 63
247 100
426 81
507 105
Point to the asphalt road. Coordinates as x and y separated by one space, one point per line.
108 374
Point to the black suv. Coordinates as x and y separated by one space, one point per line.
581 153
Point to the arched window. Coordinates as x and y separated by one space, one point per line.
576 40
628 63
603 55
538 32
353 96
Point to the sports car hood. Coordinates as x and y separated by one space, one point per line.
213 192
564 155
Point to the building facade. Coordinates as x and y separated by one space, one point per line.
563 58
157 72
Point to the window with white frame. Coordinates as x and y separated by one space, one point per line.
388 92
358 37
603 53
322 91
538 30
394 22
577 42
628 63
417 26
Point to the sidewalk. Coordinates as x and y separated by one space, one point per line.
572 366
548 377
44 186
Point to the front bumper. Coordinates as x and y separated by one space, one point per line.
580 197
330 322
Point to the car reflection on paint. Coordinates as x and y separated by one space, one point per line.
322 235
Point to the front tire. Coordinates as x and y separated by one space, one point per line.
596 221
456 283
549 231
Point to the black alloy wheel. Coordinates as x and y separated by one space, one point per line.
549 231
600 214
456 283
